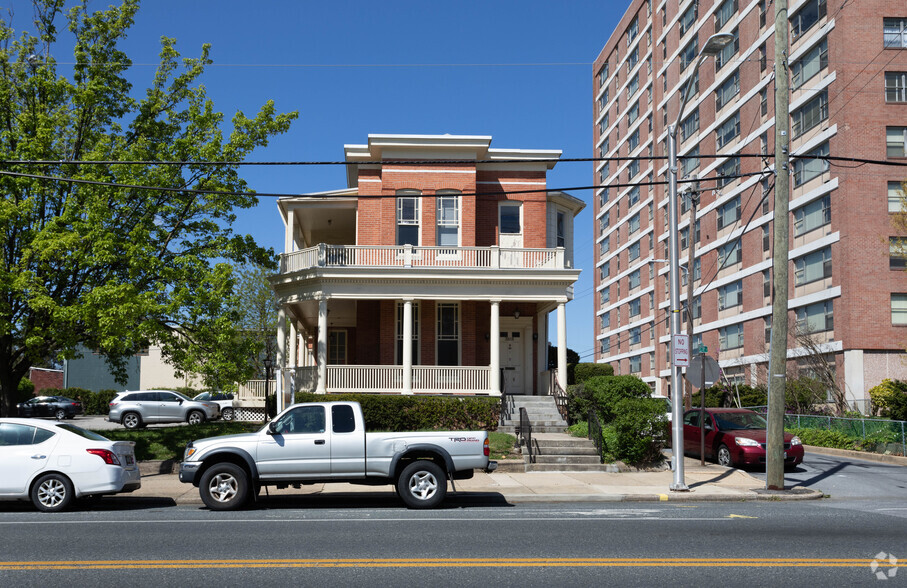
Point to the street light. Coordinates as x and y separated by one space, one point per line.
712 46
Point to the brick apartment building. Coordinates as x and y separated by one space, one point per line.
848 291
422 277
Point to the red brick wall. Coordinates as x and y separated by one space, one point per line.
45 379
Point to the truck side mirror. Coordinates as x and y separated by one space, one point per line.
272 428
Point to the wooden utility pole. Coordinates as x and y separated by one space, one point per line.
774 459
691 262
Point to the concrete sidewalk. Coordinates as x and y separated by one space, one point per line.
707 483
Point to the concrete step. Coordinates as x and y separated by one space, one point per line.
572 450
537 423
510 429
566 459
566 467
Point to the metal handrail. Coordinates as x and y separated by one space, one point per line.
560 395
525 432
595 434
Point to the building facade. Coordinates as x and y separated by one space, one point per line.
433 272
848 97
146 370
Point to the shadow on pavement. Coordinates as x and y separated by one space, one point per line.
370 500
723 475
105 504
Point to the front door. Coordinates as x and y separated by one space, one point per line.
512 361
299 448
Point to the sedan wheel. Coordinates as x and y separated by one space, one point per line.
227 414
52 493
60 414
724 456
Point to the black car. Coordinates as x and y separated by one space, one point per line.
59 407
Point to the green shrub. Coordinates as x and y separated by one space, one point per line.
579 402
889 399
420 413
580 429
641 428
25 391
825 438
753 396
607 391
584 371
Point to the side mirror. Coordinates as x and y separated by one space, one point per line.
272 428
708 426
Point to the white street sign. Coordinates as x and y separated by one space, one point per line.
680 347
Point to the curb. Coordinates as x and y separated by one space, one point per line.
749 496
865 455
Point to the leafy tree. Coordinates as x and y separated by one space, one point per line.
257 307
96 260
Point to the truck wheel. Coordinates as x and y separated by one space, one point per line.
422 484
132 420
224 486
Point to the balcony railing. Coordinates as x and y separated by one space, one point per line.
388 379
410 256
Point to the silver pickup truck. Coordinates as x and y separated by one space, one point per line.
326 442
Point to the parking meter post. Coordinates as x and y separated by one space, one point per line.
702 408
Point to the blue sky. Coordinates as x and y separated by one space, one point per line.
354 67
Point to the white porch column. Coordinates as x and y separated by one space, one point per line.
494 377
289 233
562 344
541 348
281 359
321 356
408 346
294 342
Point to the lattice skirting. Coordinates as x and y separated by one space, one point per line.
249 413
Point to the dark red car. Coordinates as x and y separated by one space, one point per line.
734 436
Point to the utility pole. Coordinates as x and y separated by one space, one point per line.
774 459
691 261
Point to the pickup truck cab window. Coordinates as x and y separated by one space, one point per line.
302 419
342 419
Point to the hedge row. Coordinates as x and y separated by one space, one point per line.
420 413
92 402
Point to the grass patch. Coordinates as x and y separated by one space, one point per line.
501 445
580 429
169 442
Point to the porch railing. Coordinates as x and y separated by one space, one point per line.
492 257
365 378
388 379
255 389
449 379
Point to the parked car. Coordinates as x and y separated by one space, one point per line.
59 407
53 463
142 407
224 401
734 436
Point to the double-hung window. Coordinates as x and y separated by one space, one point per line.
805 68
729 212
807 168
632 196
633 86
689 53
633 251
810 114
689 125
809 14
633 114
728 171
633 279
448 333
729 254
689 162
813 266
725 13
895 86
812 216
730 295
896 141
448 219
816 318
728 130
727 52
730 337
635 335
895 35
895 197
688 18
633 140
634 307
897 253
633 224
727 90
633 169
899 309
632 59
408 217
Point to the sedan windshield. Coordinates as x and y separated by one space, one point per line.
739 420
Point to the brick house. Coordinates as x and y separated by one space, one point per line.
426 278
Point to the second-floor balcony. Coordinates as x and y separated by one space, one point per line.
409 256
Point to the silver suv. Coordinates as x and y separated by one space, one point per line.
139 408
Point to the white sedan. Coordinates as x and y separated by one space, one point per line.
51 463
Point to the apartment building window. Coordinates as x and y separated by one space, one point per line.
633 114
651 296
689 125
895 86
510 218
603 124
763 57
603 198
727 90
633 169
730 295
812 216
684 243
632 30
689 53
697 234
603 75
730 337
604 270
805 68
632 59
633 86
807 168
899 309
810 114
688 18
729 254
448 333
728 171
408 217
416 330
633 194
812 12
897 253
766 283
605 321
634 307
561 229
605 245
816 318
766 238
763 143
763 101
689 162
696 307
767 327
728 130
729 212
727 52
633 279
633 224
649 123
633 140
895 197
765 198
725 13
633 251
605 296
895 35
763 9
605 345
896 141
449 219
812 267
636 364
651 208
602 101
635 335
605 147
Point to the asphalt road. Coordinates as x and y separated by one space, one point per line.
293 540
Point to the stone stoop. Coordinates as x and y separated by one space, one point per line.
560 452
542 411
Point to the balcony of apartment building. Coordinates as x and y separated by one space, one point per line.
411 319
